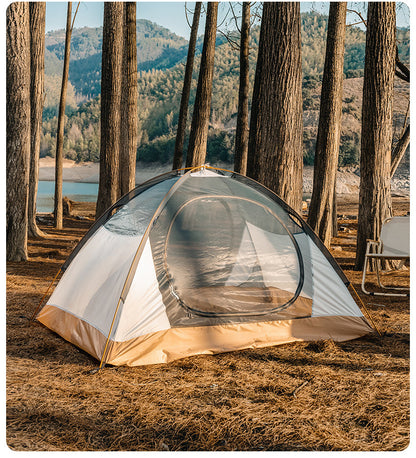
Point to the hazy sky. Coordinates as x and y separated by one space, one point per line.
168 14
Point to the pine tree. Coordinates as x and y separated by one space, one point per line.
108 188
37 69
197 148
275 156
241 133
59 156
187 81
377 129
128 139
329 129
17 129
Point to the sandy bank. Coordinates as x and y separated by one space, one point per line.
88 172
348 180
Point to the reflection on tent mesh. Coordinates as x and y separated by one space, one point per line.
203 262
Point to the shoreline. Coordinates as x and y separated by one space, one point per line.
348 180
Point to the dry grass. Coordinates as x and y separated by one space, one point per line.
303 396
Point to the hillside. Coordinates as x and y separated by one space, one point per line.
157 47
160 91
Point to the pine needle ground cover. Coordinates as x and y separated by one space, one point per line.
303 396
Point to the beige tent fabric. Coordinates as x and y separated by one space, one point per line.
74 330
175 343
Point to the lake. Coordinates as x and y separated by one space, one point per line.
80 192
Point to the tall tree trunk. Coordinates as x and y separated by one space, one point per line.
241 133
59 156
128 145
17 128
108 188
197 148
377 129
329 129
275 156
183 110
37 70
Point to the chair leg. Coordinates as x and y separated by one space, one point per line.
394 288
371 293
364 275
378 268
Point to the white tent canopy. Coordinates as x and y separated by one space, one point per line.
198 263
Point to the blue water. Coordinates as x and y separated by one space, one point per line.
80 192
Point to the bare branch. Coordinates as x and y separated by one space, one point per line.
222 22
354 23
235 17
406 116
187 10
402 76
402 71
363 21
75 15
234 44
256 12
399 150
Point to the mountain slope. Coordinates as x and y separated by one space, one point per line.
157 47
160 91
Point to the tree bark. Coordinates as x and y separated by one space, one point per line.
37 70
17 129
128 140
329 129
183 110
241 133
376 131
197 148
275 156
108 188
59 156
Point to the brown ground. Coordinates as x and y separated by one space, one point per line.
302 396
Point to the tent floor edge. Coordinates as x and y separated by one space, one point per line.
175 343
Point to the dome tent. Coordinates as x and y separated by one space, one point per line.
199 262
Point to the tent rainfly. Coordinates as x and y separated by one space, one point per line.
199 262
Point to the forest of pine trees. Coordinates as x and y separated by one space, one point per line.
136 115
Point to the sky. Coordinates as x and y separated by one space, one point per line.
169 14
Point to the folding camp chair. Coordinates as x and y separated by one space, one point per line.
394 244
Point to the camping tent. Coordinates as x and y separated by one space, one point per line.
199 262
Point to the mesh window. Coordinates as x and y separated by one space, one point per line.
133 218
223 251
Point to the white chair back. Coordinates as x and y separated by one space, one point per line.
395 236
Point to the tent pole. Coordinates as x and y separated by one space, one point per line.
102 363
133 263
366 310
